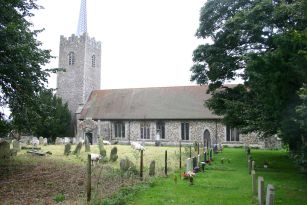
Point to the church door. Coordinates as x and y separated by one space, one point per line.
207 139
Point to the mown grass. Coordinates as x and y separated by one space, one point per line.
230 183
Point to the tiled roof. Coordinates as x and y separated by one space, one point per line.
181 102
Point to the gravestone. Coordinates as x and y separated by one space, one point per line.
113 154
152 168
78 148
67 149
41 140
194 162
16 145
260 190
87 145
58 141
270 195
4 150
35 141
45 141
189 165
215 149
254 183
102 150
126 165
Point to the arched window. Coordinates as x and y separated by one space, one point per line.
93 61
71 58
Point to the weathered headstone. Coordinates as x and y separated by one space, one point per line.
16 145
215 149
102 150
35 141
152 168
260 190
78 148
87 145
113 154
45 142
270 195
4 150
189 165
126 165
67 149
58 141
254 183
41 140
194 160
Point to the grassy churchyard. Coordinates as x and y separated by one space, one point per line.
28 179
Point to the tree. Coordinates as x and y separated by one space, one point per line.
21 58
263 43
49 117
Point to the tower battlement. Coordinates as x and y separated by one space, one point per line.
73 39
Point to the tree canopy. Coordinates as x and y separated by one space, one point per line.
48 117
264 43
21 55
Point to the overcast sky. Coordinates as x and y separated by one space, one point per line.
145 43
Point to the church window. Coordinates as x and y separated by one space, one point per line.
145 130
119 128
161 129
185 130
232 134
71 58
93 61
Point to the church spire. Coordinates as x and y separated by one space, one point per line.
82 24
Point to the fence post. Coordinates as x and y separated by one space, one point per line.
190 152
165 169
254 186
198 148
141 166
89 183
180 155
270 195
260 190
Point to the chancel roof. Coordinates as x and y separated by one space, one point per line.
179 102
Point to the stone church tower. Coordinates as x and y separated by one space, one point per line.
80 56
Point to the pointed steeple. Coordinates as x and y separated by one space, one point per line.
82 24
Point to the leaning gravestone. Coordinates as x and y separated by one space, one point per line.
78 148
87 145
270 195
67 149
113 154
4 150
41 140
16 145
152 168
57 141
189 165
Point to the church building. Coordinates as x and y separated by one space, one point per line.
164 114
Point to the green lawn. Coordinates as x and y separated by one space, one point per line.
229 183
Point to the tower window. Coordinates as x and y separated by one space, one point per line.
93 61
71 58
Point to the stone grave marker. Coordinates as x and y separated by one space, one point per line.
254 184
270 195
260 190
45 141
113 154
78 148
152 168
67 149
188 164
41 140
16 145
